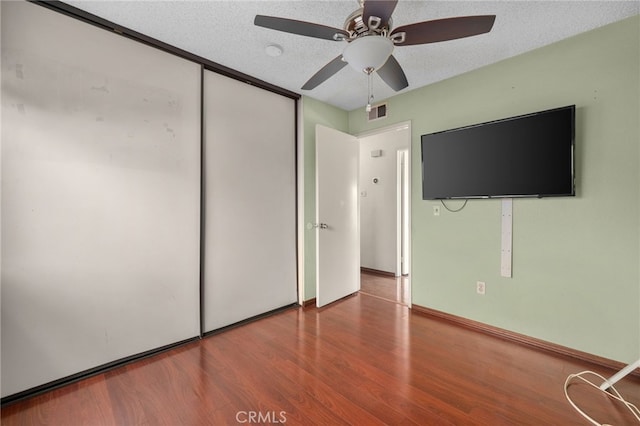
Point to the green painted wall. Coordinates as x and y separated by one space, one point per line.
576 260
314 112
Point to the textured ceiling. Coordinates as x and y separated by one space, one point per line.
223 32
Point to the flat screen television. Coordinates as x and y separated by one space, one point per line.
529 155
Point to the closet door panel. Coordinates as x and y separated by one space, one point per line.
250 221
100 197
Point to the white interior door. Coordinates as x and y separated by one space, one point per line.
337 215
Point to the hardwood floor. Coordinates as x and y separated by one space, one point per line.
360 361
395 289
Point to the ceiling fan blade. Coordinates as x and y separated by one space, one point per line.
300 27
392 74
325 72
443 29
379 8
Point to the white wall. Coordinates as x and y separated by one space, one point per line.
378 201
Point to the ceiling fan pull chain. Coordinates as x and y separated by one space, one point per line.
369 90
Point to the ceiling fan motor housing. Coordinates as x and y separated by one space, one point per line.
356 27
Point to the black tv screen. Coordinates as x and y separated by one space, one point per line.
525 156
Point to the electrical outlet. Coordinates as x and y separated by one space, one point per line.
436 210
480 287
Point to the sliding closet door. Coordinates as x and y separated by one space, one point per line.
250 240
100 197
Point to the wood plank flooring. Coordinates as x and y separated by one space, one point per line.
395 289
360 361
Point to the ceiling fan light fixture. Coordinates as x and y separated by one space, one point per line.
368 52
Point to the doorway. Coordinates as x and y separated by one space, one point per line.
385 217
374 207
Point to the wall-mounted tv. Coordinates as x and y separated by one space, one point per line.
525 156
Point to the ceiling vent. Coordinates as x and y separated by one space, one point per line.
377 112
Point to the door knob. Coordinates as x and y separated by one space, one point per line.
317 225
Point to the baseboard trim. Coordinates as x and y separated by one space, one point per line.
521 338
309 303
377 272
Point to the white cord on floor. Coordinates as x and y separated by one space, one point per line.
616 395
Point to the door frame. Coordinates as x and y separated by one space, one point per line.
403 197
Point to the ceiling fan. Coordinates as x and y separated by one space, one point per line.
371 39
